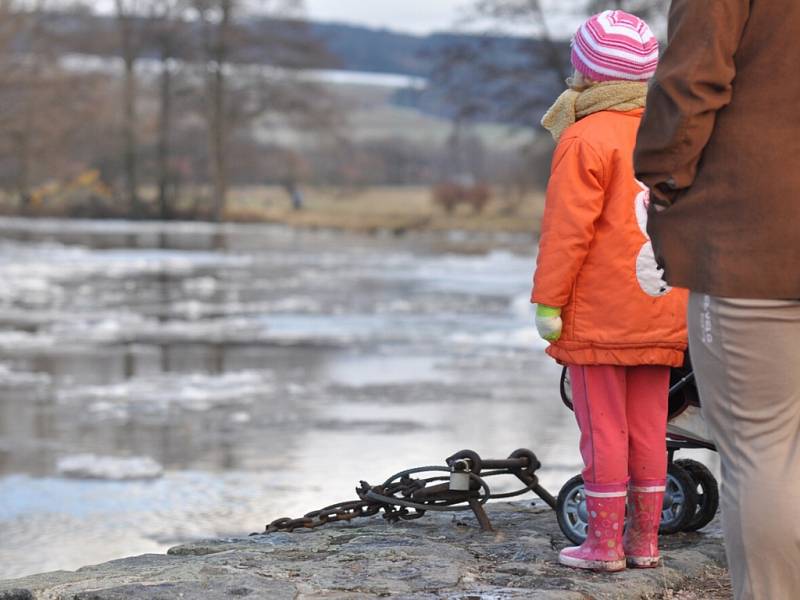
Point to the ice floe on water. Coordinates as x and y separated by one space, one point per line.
58 280
165 393
498 272
10 378
56 226
131 328
195 310
279 329
109 468
34 267
135 328
520 338
263 370
360 371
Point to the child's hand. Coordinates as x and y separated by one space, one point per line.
548 322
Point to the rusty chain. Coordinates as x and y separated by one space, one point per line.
404 498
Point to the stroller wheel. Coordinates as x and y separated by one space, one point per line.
707 493
571 510
680 500
566 388
679 511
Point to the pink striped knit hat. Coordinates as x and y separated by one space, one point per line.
615 45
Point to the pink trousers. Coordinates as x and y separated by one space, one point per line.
622 415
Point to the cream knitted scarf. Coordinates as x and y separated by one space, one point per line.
572 105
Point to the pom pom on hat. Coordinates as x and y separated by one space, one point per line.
615 45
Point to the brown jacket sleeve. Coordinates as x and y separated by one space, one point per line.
692 83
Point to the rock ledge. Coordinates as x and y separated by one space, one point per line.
436 557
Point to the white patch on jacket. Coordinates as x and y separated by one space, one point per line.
648 273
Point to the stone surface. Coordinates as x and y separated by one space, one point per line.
436 557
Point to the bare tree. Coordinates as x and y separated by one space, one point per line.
503 76
510 76
168 33
230 45
42 106
216 18
249 57
654 11
16 113
128 22
534 13
12 23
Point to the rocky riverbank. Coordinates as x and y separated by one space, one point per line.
436 557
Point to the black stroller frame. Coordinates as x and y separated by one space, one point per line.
691 499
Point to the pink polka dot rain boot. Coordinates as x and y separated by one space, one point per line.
645 500
602 550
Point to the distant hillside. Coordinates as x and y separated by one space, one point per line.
503 79
386 51
374 50
498 79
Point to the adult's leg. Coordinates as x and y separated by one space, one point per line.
746 354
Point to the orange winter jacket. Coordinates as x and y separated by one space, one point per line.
595 259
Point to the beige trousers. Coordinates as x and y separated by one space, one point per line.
746 354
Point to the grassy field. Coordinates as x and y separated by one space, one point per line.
383 208
369 210
370 115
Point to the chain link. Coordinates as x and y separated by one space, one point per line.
402 497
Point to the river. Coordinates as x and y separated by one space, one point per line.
161 383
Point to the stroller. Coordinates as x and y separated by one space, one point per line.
692 496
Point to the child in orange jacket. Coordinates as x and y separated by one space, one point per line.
602 302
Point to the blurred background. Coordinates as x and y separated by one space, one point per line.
252 252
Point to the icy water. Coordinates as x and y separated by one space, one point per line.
162 383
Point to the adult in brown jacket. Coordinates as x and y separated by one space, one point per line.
719 147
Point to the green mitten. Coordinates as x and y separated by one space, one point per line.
548 322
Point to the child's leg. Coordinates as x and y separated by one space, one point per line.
647 420
598 394
598 397
647 392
